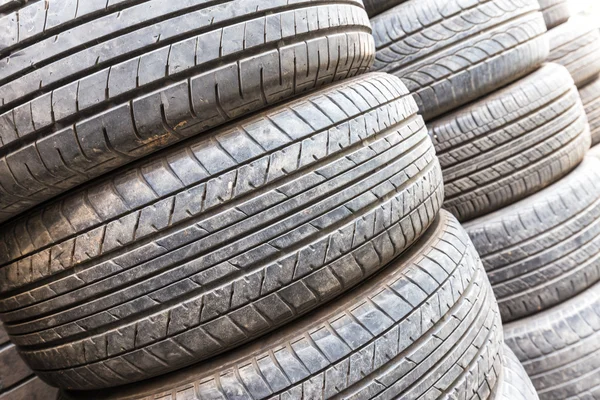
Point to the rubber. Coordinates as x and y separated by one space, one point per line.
545 249
590 95
375 7
512 143
576 45
594 152
426 326
555 12
449 52
560 348
16 379
85 89
303 214
514 383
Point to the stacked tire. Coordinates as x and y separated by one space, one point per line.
284 240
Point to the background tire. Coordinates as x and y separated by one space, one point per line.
590 95
560 347
426 325
85 89
555 12
512 143
281 224
514 382
545 249
448 55
375 7
576 45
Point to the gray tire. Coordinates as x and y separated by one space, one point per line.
226 236
512 143
87 88
448 54
555 12
545 249
560 348
427 325
576 45
514 383
590 95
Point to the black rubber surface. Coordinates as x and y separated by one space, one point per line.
512 143
87 87
576 45
514 383
450 52
590 95
555 12
427 325
545 249
222 238
560 348
375 7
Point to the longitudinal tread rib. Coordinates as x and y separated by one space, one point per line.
514 383
222 238
555 12
451 52
135 77
512 143
590 95
426 326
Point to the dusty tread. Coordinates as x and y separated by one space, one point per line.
425 326
143 76
514 383
449 53
512 143
560 348
590 95
252 255
576 45
555 12
545 249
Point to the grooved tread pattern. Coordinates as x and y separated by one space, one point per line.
304 202
515 384
451 52
576 45
560 348
425 327
545 249
590 95
555 12
85 89
512 143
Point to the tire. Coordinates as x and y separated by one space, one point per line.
304 213
426 325
512 143
545 249
375 7
560 348
590 95
594 152
555 12
139 75
514 382
576 45
16 379
448 55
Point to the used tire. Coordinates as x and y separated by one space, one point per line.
514 384
512 143
448 54
560 348
576 45
375 7
545 249
590 95
427 325
555 12
227 236
86 88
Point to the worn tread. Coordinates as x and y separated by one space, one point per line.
590 95
555 12
514 383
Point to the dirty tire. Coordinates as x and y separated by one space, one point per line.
545 249
427 325
555 12
448 55
512 143
590 95
514 383
560 348
84 89
226 236
16 379
375 7
576 45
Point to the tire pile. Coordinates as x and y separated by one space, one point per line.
217 199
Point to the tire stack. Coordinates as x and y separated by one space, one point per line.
277 244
